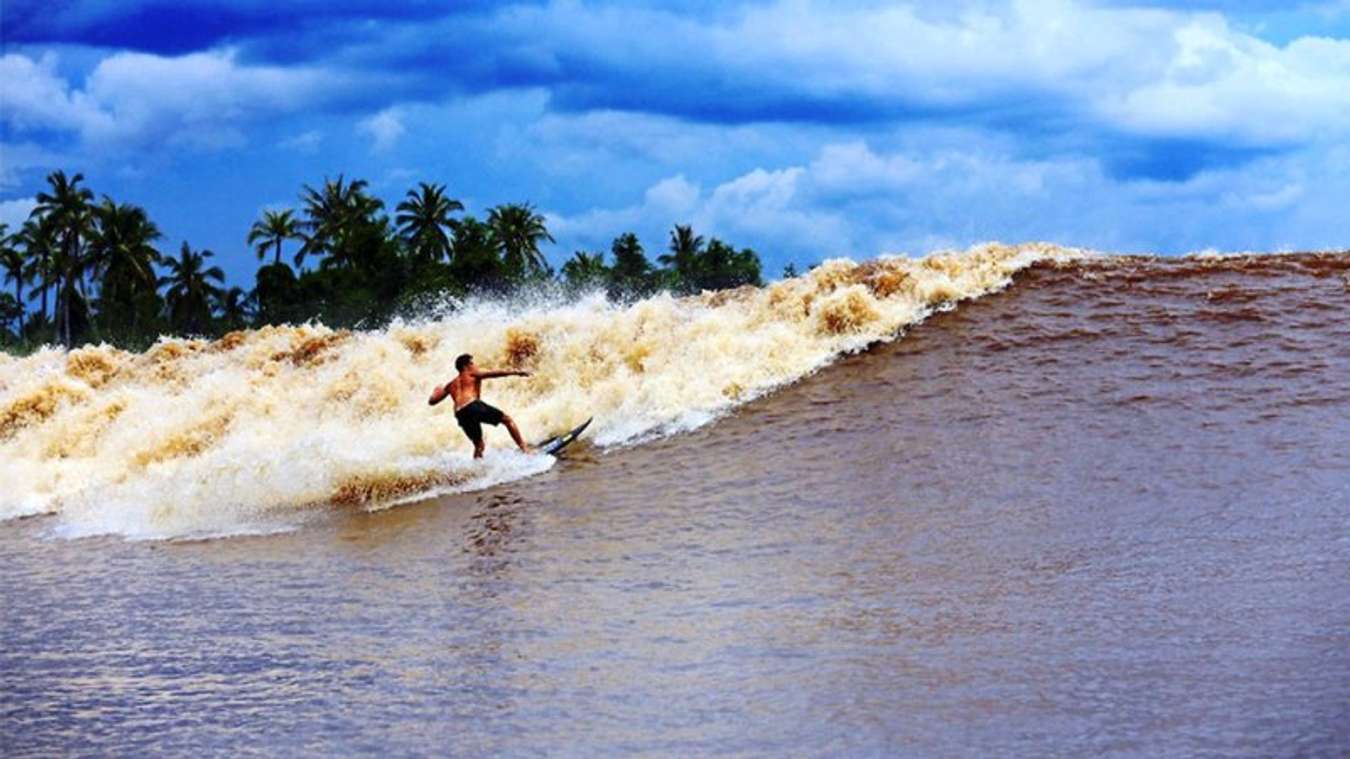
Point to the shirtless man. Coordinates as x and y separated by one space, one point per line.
472 413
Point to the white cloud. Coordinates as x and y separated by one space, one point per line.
1225 85
920 199
761 205
138 100
1276 199
384 128
628 135
16 157
35 97
1145 71
15 212
675 195
305 143
852 168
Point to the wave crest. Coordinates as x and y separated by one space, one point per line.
257 429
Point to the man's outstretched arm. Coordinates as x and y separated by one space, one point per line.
499 373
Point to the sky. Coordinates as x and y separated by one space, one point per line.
804 130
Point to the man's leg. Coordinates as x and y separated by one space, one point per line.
474 431
515 433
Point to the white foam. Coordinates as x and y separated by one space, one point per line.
263 429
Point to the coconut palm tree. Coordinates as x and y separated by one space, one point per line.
683 259
10 311
585 271
423 217
190 292
519 230
335 215
15 264
124 260
274 228
276 294
723 267
69 210
631 274
474 260
234 306
36 238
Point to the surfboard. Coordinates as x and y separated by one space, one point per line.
554 445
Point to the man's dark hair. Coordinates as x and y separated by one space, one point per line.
463 361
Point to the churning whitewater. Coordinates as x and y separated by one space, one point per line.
257 430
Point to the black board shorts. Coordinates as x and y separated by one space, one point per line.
474 415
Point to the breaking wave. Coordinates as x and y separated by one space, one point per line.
258 430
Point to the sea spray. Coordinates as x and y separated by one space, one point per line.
256 430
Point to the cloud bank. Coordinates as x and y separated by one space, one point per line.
803 129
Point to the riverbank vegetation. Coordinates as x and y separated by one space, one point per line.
86 269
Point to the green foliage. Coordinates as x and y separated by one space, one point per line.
66 212
722 267
684 259
11 315
16 270
585 272
123 260
518 231
273 229
36 242
190 295
631 276
340 220
276 293
693 266
423 218
475 261
235 308
95 273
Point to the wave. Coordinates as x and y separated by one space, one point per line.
261 429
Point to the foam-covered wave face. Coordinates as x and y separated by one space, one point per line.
256 430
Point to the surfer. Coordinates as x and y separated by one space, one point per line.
470 411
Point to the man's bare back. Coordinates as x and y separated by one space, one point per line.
464 389
470 410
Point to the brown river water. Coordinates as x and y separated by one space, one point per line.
1102 512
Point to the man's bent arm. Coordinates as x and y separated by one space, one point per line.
438 396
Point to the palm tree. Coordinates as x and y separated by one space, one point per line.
190 292
276 294
234 307
585 271
519 230
124 260
10 311
474 260
683 259
36 238
68 209
723 267
15 265
631 275
333 217
271 231
423 218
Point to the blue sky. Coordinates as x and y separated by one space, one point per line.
805 130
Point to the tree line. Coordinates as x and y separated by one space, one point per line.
94 272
